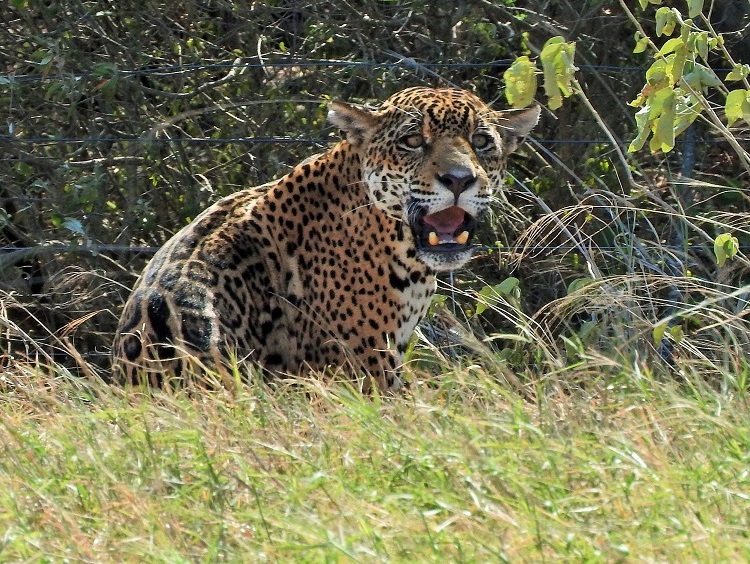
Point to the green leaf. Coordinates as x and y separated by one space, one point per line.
4 218
737 106
658 333
695 8
487 298
508 286
663 138
578 283
554 101
687 110
721 255
665 21
644 129
549 53
490 296
685 30
520 82
640 45
559 71
677 333
739 72
701 44
726 246
658 117
701 78
670 46
676 62
656 74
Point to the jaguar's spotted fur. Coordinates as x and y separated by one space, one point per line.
334 264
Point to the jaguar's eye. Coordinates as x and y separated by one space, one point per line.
412 141
481 141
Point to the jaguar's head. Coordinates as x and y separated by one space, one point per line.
432 158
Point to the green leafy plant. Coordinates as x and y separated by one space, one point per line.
680 78
490 296
726 246
558 69
664 328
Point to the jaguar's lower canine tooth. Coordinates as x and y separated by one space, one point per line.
463 238
434 239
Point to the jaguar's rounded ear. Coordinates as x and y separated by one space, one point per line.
356 122
516 124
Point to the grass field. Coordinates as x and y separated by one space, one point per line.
626 467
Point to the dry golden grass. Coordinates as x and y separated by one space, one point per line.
461 469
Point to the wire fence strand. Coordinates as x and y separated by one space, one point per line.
9 79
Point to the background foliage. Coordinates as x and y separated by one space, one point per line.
122 120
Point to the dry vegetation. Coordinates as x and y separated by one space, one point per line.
629 467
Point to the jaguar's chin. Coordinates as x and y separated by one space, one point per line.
444 238
445 260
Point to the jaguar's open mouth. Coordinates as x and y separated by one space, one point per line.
448 230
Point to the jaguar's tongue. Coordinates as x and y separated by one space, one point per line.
447 220
444 225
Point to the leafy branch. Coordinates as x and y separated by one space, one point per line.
680 79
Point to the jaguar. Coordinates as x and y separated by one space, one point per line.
333 265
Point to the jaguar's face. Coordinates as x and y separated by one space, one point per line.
432 158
